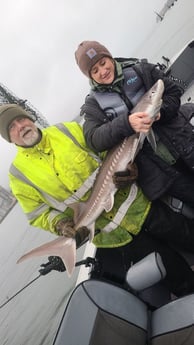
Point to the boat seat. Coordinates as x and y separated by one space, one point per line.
173 323
99 313
146 272
145 279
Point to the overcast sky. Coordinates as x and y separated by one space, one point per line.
38 39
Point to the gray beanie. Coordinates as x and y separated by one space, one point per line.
88 53
8 113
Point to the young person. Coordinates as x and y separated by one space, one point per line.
116 86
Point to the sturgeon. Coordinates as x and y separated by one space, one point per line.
103 191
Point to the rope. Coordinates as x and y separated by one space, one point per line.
19 291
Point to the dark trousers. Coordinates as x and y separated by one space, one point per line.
162 231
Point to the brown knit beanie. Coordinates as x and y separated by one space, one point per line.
88 53
8 113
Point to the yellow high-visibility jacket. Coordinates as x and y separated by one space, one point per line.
60 169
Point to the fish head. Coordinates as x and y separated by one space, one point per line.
153 98
151 101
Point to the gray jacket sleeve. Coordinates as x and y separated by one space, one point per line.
102 134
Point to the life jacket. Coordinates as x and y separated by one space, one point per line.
112 102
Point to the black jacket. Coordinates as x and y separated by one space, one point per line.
155 175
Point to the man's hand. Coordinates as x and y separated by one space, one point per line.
122 179
65 227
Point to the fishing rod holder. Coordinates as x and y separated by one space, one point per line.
55 263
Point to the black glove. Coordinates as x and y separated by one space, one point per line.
81 236
65 227
122 179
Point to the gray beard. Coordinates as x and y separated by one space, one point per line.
33 139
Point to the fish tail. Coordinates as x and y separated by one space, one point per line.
63 247
152 139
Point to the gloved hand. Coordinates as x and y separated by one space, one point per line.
122 179
65 227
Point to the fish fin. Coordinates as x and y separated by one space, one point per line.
92 231
136 146
62 246
108 204
152 139
78 208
